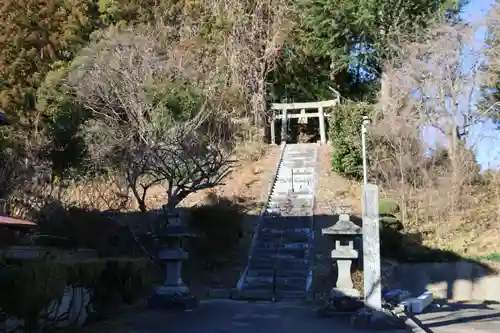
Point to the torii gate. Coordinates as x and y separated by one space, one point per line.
280 111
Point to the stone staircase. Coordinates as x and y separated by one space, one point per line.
281 255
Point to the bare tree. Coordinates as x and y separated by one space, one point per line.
187 163
249 39
433 84
137 164
116 79
124 81
491 70
428 97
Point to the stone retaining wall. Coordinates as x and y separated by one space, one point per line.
461 281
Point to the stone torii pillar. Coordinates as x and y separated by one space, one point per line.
284 127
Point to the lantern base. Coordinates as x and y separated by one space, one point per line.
171 290
344 292
172 297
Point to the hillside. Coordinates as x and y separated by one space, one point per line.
470 232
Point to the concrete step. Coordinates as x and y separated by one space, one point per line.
282 203
280 286
290 241
281 282
296 186
295 200
264 254
283 263
282 246
295 175
276 249
297 254
302 187
263 265
289 224
289 213
298 167
299 153
286 180
280 289
266 294
280 199
299 157
266 260
305 158
287 191
302 145
297 191
301 150
267 230
292 237
286 223
282 272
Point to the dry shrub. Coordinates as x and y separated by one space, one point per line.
436 189
103 193
230 61
250 151
219 223
124 77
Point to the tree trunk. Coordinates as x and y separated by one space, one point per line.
140 201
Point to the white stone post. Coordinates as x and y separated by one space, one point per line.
273 129
284 127
371 248
322 132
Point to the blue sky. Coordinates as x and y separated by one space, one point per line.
483 137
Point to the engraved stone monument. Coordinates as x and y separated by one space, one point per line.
373 316
344 232
371 247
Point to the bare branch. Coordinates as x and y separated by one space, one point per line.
189 162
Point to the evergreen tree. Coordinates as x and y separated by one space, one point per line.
36 33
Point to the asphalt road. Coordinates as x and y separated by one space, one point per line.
227 316
218 316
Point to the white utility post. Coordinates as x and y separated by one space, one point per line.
366 121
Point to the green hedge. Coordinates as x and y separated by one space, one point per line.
219 225
345 138
28 287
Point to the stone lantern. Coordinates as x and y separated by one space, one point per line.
173 292
344 232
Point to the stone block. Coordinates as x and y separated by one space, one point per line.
220 293
419 303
